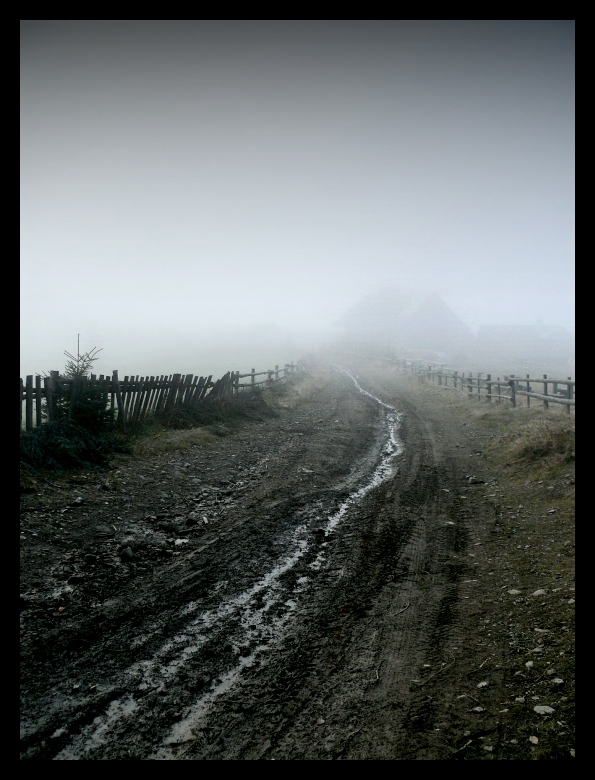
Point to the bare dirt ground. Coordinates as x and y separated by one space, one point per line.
366 575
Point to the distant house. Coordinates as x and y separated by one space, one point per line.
392 322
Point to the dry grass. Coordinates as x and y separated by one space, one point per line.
298 390
154 439
172 441
549 439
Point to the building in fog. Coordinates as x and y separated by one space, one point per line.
390 322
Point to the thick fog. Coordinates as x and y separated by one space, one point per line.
199 196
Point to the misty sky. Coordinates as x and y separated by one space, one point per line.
189 186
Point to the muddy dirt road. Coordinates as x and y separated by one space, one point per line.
289 592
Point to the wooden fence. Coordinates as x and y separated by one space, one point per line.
136 398
510 388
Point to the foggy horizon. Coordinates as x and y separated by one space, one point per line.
198 194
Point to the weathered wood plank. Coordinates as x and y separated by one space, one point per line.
29 403
119 401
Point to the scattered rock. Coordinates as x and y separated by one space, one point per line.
540 592
127 554
542 709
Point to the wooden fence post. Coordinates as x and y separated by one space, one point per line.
545 403
173 391
470 384
528 391
512 384
38 401
489 386
46 395
53 388
29 403
119 401
276 373
570 395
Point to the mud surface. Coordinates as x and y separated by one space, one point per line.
298 590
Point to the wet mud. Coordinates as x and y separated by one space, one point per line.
284 593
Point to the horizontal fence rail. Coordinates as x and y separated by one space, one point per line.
555 391
135 398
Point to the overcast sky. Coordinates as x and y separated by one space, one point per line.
191 188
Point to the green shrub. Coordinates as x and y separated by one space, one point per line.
80 401
63 444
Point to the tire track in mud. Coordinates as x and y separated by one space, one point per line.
295 634
239 621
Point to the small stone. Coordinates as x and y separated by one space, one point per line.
540 592
127 554
514 592
542 709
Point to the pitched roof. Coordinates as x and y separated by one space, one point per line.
408 320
